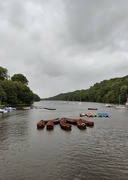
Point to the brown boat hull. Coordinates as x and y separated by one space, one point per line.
40 124
71 121
65 125
88 123
81 124
50 125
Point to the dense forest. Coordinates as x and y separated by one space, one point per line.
15 90
107 91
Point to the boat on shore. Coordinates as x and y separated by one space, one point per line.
7 109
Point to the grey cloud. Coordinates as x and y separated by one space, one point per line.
97 24
64 45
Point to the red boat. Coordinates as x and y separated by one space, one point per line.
88 123
81 124
56 120
92 108
50 125
71 121
65 125
90 115
40 124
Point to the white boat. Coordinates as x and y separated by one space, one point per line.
120 106
109 105
80 103
7 109
3 111
26 108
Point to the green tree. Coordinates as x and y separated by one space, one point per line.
20 78
3 73
10 90
24 94
3 95
36 97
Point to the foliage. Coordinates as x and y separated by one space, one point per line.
20 78
36 97
15 90
107 91
3 73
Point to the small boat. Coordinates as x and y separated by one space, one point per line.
88 123
56 120
26 108
83 114
40 124
90 115
49 108
92 108
7 109
50 125
105 115
71 121
109 105
65 125
1 111
81 124
99 115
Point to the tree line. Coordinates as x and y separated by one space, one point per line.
107 91
15 90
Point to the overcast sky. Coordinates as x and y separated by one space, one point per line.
64 45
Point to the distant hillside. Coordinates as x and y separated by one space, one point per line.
107 91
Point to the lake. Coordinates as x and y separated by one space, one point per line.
98 153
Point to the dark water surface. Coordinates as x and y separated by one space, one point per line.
98 153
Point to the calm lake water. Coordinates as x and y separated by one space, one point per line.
98 153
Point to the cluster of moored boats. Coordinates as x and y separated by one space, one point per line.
65 123
93 114
7 109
